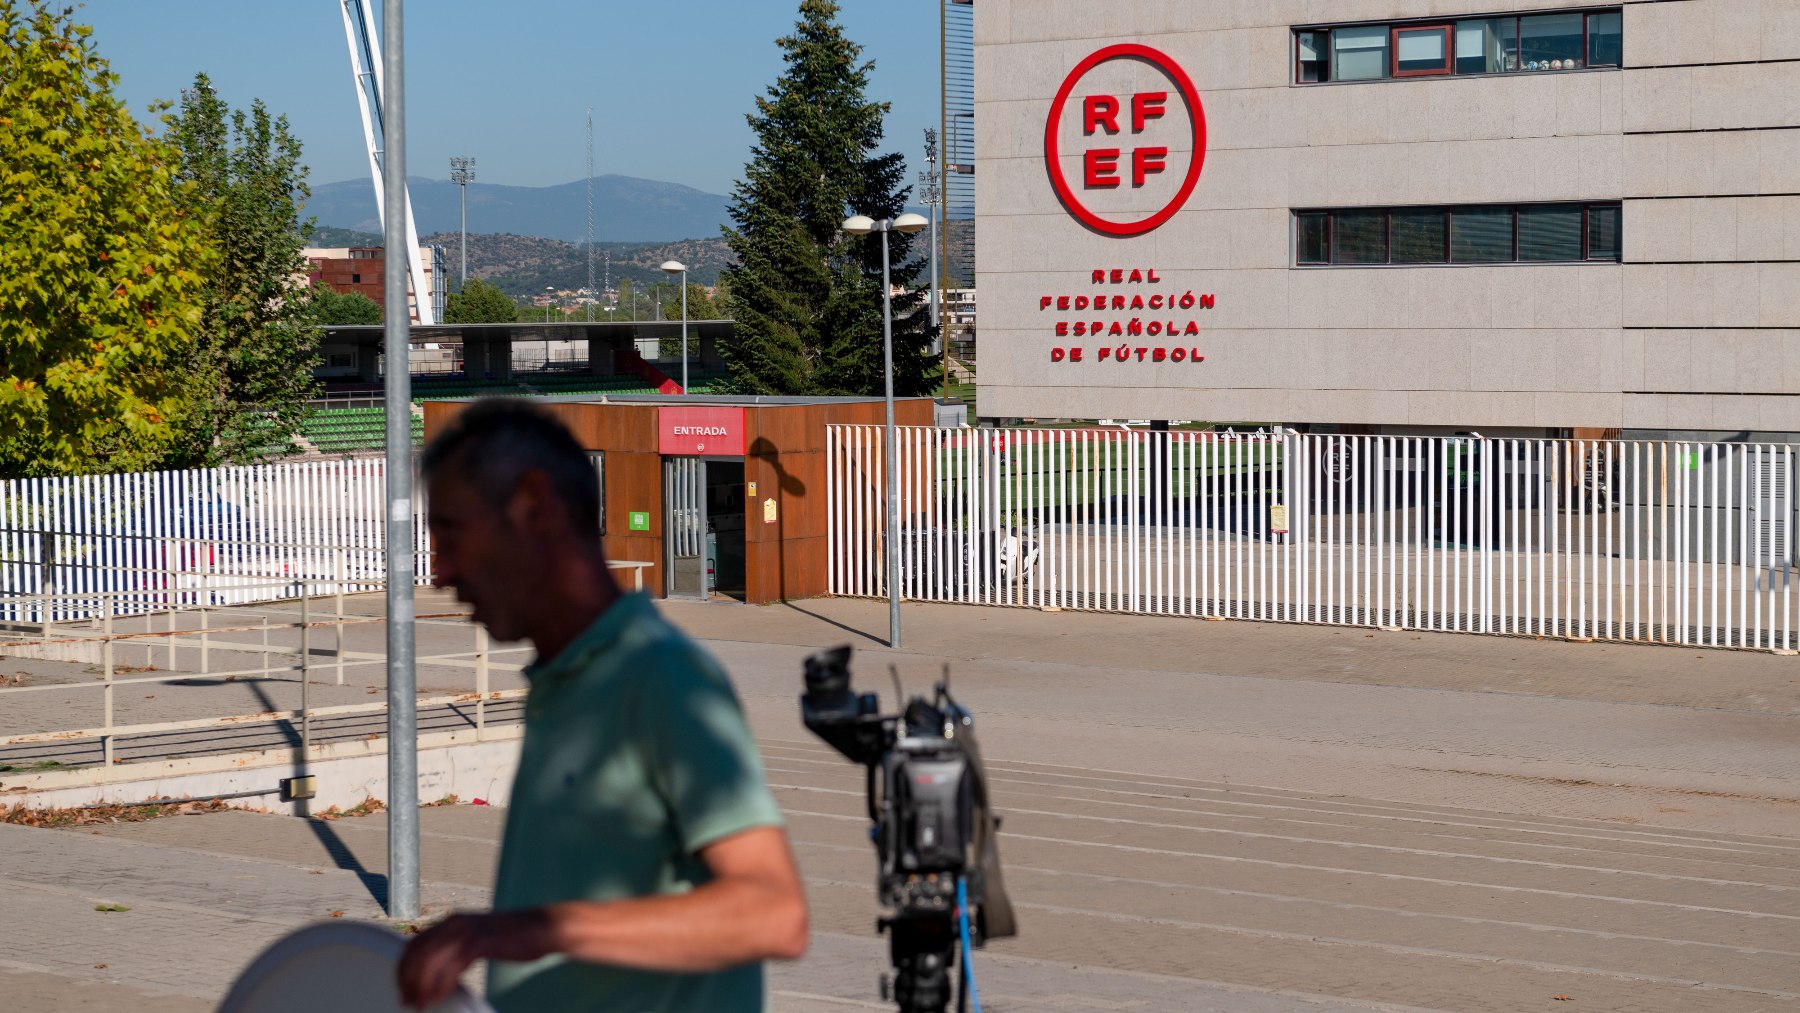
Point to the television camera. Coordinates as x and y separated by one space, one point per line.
933 829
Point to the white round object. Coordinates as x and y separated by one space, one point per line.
332 967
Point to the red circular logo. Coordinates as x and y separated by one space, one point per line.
1141 163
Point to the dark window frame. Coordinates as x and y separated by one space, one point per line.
1449 33
1330 216
1328 73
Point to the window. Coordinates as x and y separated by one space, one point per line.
1605 35
1419 236
1359 237
1421 51
1471 234
1312 237
1529 43
1359 54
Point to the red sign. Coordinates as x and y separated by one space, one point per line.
1129 140
700 431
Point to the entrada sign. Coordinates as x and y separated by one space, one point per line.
700 430
1137 137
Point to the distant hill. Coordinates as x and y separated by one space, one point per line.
626 209
523 265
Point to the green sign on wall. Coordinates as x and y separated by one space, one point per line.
640 520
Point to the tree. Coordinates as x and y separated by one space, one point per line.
252 366
337 309
480 303
807 299
101 268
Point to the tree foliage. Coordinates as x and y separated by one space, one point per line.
480 303
251 371
101 268
336 309
807 299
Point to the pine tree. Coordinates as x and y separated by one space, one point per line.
807 299
100 269
252 368
480 303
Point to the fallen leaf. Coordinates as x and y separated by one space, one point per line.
99 967
478 801
1559 997
337 914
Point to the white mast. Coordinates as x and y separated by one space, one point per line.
365 70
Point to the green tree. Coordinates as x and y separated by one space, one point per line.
101 269
480 303
252 367
336 309
807 299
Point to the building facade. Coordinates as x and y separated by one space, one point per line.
360 269
1525 218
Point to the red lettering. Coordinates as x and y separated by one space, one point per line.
1062 328
1105 350
1100 168
1081 302
1099 275
1080 328
1153 278
1056 355
1178 354
1145 161
1158 354
1118 276
1147 106
1062 302
1101 111
1206 301
1043 302
1137 276
1192 328
1118 302
1074 355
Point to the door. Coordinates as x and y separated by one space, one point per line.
684 544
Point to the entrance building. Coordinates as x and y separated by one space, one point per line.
715 496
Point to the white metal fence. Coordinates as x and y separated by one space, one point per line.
1677 543
152 541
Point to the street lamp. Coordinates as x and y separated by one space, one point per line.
862 225
549 296
674 267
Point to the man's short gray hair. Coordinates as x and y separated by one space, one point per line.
496 441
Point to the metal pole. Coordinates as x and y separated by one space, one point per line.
462 277
305 669
893 487
684 357
402 701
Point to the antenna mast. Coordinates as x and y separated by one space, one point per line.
592 294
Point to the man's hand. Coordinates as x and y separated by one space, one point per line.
437 957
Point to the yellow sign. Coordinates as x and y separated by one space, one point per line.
1278 519
750 489
769 510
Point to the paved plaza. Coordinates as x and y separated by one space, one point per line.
1198 816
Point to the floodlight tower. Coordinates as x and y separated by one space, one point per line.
928 192
462 173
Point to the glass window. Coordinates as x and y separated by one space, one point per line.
1551 42
1310 49
1481 235
1420 51
1360 237
1606 40
1312 237
1359 53
1603 232
1419 236
1550 232
1487 45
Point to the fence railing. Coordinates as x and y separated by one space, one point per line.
1677 543
148 541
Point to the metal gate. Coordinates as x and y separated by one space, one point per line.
1678 543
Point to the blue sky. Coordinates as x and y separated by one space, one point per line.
509 84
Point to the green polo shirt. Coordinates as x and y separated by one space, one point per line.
636 756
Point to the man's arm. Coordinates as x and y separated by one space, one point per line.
753 909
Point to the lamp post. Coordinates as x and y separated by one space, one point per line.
672 268
862 225
462 173
549 295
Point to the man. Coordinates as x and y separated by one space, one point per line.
644 865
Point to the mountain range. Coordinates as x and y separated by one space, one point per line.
626 209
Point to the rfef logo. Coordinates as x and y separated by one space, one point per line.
1125 140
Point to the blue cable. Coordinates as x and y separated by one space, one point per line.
962 921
